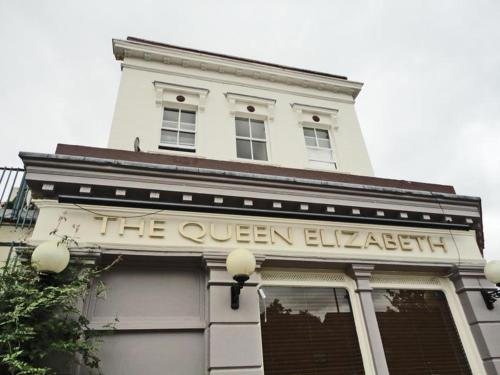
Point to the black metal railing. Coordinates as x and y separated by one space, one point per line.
16 206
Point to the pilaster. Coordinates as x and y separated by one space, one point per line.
234 339
484 323
361 274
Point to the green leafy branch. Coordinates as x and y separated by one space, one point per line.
41 322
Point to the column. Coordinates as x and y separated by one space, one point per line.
235 345
361 274
484 323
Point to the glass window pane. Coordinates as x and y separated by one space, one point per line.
242 127
188 117
319 154
186 139
308 132
310 141
259 150
170 124
243 149
324 143
322 133
309 331
418 333
171 114
168 136
258 129
188 127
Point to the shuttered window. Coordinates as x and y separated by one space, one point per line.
309 331
418 333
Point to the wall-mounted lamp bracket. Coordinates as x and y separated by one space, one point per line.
490 297
236 289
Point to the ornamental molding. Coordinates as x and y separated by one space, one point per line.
167 93
327 116
230 66
228 80
394 281
238 105
303 276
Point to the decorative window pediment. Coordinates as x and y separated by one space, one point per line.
257 107
168 93
316 116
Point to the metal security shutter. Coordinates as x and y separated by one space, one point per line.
309 331
418 333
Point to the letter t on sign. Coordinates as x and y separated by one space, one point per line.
139 227
104 223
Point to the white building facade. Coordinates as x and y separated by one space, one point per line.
209 153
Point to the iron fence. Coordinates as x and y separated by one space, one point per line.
16 206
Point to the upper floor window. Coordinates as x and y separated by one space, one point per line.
251 139
178 129
319 147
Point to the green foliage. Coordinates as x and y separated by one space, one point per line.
40 319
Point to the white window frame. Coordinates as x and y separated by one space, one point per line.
442 284
326 279
251 138
338 279
178 146
333 161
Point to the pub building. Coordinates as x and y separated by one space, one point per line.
255 237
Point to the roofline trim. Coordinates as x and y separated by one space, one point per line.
27 156
167 54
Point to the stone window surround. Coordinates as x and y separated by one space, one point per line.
239 102
196 96
360 281
327 121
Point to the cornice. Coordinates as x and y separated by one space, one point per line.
233 80
225 193
124 49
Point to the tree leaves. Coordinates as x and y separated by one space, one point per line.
40 318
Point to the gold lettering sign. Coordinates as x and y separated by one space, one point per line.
197 232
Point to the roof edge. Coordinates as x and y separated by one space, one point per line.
171 54
231 57
247 169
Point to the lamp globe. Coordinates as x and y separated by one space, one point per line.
492 271
50 257
240 262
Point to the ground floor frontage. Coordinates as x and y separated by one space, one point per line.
326 297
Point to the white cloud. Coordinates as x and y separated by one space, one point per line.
429 109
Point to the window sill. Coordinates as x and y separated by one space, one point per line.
177 149
325 169
251 161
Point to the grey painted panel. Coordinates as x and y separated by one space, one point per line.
488 339
220 305
235 345
179 353
145 291
475 308
250 371
492 366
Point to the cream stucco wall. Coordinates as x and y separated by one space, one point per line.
137 114
8 234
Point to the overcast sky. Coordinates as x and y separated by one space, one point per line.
429 110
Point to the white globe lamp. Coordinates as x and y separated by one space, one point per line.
492 273
240 263
50 257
